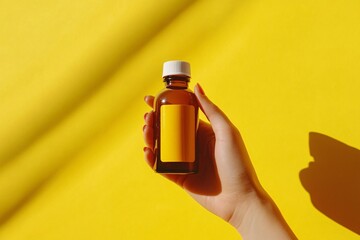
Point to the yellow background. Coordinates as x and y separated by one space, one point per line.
72 79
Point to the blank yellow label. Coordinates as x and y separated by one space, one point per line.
177 133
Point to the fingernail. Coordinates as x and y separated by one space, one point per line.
144 149
145 116
144 127
200 89
145 98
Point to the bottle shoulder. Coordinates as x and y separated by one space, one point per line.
175 96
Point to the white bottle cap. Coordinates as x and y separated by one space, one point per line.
176 68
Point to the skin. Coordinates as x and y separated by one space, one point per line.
226 184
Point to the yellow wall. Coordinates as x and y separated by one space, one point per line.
72 79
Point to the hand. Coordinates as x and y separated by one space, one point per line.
226 184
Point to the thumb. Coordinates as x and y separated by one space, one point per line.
218 120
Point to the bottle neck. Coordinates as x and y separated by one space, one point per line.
176 81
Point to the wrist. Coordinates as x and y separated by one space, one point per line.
244 210
259 218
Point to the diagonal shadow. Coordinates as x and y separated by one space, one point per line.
333 180
116 58
98 81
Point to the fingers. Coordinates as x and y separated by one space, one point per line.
148 129
149 100
148 133
149 156
217 118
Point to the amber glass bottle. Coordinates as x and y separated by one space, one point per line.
176 122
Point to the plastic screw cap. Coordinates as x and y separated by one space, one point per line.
176 68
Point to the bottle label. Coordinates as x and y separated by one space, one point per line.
177 133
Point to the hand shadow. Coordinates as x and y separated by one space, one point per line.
333 180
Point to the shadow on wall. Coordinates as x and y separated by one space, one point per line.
333 180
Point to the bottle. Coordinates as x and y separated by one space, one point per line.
176 122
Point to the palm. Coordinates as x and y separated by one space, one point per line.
216 187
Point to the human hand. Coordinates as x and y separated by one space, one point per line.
226 184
